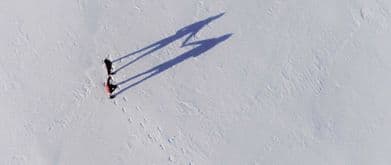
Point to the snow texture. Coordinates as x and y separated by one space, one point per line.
247 82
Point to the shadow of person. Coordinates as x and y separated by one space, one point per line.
190 30
202 46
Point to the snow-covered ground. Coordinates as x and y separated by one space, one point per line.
261 82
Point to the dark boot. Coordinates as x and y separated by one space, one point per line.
112 88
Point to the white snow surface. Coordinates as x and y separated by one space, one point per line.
299 82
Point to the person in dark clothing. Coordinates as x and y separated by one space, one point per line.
110 88
108 65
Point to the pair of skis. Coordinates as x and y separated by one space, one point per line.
109 86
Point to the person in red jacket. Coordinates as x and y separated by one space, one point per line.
110 88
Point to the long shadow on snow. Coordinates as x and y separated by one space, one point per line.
191 30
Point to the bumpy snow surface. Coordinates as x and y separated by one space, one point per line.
274 82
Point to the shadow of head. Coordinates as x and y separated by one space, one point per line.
207 44
196 27
222 38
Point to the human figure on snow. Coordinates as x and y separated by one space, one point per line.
109 66
109 87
